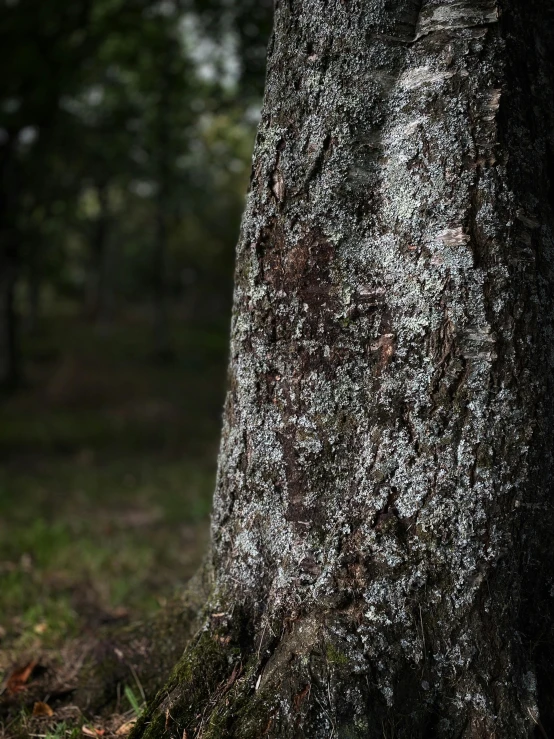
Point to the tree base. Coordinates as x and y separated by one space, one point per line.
312 679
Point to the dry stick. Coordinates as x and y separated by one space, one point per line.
538 723
261 641
139 684
422 635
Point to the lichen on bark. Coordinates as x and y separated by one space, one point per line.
383 510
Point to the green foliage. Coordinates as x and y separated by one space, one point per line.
133 700
334 656
63 731
124 125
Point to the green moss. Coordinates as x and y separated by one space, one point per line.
334 656
195 690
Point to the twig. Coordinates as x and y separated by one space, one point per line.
261 641
537 723
139 684
422 635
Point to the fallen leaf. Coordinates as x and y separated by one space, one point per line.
18 678
125 728
120 612
87 731
42 710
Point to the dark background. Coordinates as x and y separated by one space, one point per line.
126 130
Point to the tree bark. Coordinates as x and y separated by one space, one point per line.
382 524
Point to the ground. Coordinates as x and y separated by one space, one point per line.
107 461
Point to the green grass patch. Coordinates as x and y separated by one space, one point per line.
107 472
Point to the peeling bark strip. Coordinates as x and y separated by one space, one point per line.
383 516
453 15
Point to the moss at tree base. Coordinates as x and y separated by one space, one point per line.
311 680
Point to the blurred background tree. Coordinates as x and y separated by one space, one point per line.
125 134
126 131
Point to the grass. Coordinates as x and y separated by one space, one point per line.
63 731
107 466
78 546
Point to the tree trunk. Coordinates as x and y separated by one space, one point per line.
9 365
382 526
99 298
9 191
33 271
161 319
162 342
33 300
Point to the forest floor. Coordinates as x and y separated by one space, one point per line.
107 462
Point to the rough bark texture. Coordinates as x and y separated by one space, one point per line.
383 516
